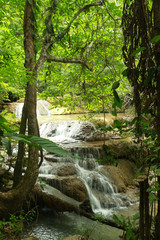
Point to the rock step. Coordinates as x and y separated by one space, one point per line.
53 198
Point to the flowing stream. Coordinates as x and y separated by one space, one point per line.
103 195
73 136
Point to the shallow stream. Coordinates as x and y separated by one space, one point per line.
53 226
63 129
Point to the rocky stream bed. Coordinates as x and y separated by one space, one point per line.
70 188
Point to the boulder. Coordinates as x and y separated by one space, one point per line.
121 148
122 175
71 186
66 170
53 198
86 130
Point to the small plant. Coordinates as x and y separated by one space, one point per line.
85 232
11 228
109 157
30 216
128 225
42 184
99 217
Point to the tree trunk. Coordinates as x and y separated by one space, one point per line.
141 210
21 148
156 12
147 217
12 201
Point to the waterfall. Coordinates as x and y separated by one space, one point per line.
19 108
42 109
103 195
66 131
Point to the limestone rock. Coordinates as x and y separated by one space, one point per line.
66 170
53 198
122 175
122 149
71 186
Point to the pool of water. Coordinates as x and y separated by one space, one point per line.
55 226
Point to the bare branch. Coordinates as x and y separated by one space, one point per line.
51 58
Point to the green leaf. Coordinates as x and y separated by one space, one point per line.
117 124
117 100
39 143
2 119
114 113
6 143
115 85
118 220
49 145
127 72
138 51
155 39
4 126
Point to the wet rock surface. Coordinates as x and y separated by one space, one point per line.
71 186
66 170
75 237
123 175
82 178
52 198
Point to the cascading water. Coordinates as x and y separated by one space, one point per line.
102 193
42 108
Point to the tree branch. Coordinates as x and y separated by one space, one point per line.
48 41
88 49
85 8
51 58
114 19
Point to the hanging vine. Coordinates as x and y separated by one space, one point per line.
141 31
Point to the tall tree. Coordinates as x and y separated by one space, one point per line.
141 51
39 42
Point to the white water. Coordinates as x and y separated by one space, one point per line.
42 109
103 195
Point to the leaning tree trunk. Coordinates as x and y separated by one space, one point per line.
12 201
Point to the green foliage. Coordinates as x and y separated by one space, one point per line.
155 39
73 85
128 225
109 157
85 232
42 184
69 85
11 228
138 51
99 217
